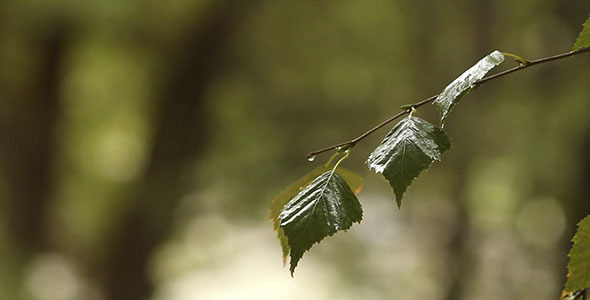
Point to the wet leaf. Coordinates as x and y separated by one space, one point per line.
579 265
322 208
407 150
583 40
354 181
465 83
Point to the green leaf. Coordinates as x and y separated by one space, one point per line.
464 83
408 149
354 181
583 40
324 207
579 265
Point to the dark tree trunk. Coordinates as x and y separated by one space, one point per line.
27 144
180 136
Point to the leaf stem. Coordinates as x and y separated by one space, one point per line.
339 161
332 159
406 109
516 58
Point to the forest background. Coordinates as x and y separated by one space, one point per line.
141 143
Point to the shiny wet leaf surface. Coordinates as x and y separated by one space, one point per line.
322 208
407 150
353 180
464 83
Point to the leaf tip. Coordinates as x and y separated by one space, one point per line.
564 293
497 57
294 262
398 199
358 189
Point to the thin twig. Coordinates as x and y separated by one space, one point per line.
353 142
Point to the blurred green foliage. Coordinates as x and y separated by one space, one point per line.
142 141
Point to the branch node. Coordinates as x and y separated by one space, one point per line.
410 108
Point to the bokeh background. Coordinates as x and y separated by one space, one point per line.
141 143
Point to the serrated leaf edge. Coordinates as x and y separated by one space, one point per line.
295 263
582 222
584 34
379 170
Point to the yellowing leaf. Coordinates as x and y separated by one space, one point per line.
354 180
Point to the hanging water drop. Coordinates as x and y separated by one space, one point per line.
311 158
